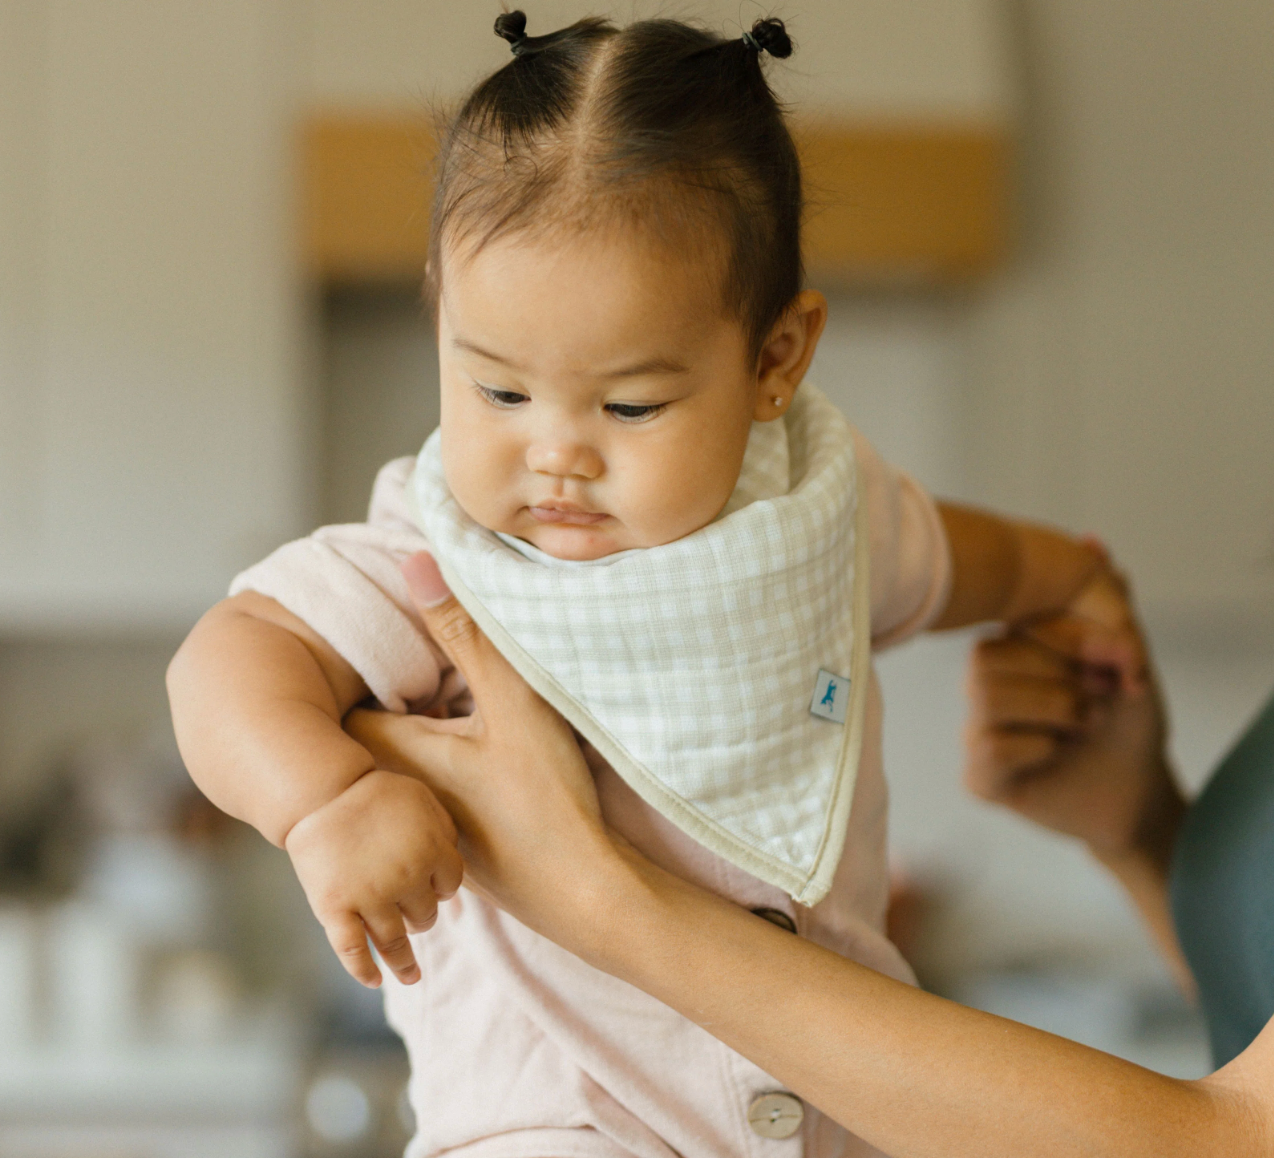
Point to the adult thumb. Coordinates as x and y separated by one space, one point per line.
452 627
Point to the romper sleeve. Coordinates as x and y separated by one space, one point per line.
910 568
344 582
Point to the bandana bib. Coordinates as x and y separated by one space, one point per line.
724 675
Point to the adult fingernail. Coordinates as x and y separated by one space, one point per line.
425 580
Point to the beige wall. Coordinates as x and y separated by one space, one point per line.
919 59
149 320
21 146
1122 375
1119 378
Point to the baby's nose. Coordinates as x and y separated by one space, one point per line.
564 459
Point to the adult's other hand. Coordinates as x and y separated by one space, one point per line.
1060 741
1050 738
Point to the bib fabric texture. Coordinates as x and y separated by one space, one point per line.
696 668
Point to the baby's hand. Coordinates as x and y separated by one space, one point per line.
374 863
1099 630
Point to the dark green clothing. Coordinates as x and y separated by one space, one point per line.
1223 892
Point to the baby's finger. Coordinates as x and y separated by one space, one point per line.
419 912
1062 634
448 874
348 938
1091 643
389 935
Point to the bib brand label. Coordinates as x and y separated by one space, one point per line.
831 697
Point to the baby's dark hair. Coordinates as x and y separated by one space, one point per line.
661 124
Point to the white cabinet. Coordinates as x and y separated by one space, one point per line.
152 427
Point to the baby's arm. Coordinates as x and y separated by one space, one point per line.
1018 572
1004 569
257 700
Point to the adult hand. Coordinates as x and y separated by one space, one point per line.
511 775
1059 736
1099 629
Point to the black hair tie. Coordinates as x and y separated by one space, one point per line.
511 26
769 36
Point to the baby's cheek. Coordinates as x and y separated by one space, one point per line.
675 509
694 491
481 489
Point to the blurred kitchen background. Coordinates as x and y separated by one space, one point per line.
1045 228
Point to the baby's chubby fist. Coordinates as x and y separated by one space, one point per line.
374 862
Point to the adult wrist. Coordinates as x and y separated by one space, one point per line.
650 918
1152 842
600 913
1161 823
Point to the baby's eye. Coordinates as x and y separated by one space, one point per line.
506 399
633 412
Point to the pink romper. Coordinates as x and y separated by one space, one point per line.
518 1049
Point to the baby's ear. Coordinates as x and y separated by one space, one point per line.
787 353
771 406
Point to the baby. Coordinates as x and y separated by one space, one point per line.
671 544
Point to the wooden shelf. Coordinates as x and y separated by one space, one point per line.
912 205
921 205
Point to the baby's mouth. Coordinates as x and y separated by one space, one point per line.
566 513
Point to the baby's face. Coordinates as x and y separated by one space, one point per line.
595 394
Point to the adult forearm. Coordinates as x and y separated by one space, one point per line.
917 1076
258 722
